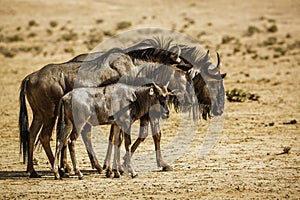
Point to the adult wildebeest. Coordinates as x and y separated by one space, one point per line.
207 82
118 104
45 87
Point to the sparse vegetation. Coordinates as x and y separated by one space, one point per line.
11 38
270 41
69 50
53 24
227 39
32 23
238 95
109 33
252 30
49 31
32 34
9 53
123 25
272 29
94 38
70 36
99 21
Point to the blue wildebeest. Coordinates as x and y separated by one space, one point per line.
117 104
45 87
207 82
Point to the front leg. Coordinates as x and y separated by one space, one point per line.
144 124
106 164
128 153
156 134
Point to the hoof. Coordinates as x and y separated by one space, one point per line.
167 168
99 169
34 175
134 175
80 178
121 172
68 169
108 173
56 177
117 175
104 166
61 172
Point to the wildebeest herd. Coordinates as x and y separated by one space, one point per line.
116 87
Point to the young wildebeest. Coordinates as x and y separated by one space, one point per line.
44 89
178 81
116 104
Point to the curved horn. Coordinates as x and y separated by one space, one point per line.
219 64
155 85
207 53
178 54
167 84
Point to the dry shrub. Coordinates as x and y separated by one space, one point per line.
11 38
32 23
69 36
94 38
123 25
272 29
9 53
227 39
53 24
252 30
238 95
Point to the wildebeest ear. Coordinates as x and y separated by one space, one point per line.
223 75
151 91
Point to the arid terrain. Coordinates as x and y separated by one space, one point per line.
257 154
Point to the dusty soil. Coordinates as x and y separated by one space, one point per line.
260 48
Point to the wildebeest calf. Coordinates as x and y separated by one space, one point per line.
118 104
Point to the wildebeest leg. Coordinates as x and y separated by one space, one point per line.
64 167
73 157
45 137
116 161
33 131
156 134
86 136
128 153
106 164
144 124
61 142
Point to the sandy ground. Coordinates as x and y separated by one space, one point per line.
260 48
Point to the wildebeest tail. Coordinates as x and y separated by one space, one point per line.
61 121
23 121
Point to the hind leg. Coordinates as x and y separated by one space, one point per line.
73 158
33 131
86 136
45 137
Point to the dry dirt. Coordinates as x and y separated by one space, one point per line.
260 47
